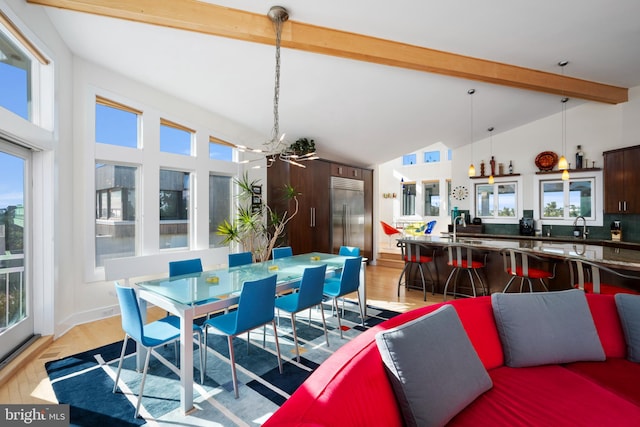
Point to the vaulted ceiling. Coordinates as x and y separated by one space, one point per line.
367 80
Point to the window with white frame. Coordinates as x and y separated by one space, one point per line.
567 199
409 159
220 203
498 200
25 75
175 138
220 150
174 209
409 198
116 124
431 198
431 156
115 211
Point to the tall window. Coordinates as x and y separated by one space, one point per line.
219 206
497 200
567 199
115 211
408 198
174 209
116 124
175 138
431 198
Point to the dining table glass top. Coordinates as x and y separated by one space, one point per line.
224 283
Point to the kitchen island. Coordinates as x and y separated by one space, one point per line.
623 257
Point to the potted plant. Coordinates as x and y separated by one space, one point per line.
257 227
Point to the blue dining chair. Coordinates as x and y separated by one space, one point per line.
348 282
282 252
241 258
349 251
149 336
308 296
180 268
256 307
187 266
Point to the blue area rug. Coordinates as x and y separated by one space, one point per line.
85 380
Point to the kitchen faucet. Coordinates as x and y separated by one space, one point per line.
455 223
585 232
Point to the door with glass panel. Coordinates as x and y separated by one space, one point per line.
16 321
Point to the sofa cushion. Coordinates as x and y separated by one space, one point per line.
433 368
546 328
605 316
477 319
629 312
548 395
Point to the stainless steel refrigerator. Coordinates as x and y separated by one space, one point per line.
347 213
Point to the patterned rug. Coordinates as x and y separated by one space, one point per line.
85 380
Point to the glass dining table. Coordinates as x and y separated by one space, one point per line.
193 295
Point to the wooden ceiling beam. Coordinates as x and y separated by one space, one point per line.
207 18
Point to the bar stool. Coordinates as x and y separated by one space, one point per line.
526 266
590 278
416 254
461 257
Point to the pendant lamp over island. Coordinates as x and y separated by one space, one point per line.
563 165
472 168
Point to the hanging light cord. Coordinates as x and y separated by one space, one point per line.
277 26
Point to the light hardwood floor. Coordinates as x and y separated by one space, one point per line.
30 384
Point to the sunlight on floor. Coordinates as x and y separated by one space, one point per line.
44 391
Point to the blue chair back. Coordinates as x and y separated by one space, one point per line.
188 266
350 277
282 252
241 258
311 286
130 313
430 226
256 305
349 251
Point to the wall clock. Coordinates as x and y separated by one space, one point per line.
460 192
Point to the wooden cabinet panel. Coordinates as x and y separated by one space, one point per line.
621 180
346 171
310 229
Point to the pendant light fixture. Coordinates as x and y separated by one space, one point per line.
472 168
492 162
563 165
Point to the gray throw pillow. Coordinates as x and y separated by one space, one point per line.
433 367
629 312
546 328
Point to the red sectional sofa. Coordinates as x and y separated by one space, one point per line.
352 389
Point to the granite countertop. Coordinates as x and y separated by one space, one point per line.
623 256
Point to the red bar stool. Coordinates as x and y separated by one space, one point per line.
416 254
465 258
527 266
590 277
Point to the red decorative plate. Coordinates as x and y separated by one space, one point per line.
546 160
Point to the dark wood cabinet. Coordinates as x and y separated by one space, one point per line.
310 230
621 180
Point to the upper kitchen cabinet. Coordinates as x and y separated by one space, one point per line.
621 180
346 171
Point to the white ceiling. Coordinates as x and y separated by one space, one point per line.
367 113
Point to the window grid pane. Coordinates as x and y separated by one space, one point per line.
15 78
174 209
116 127
408 199
507 206
174 140
431 198
115 211
219 206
